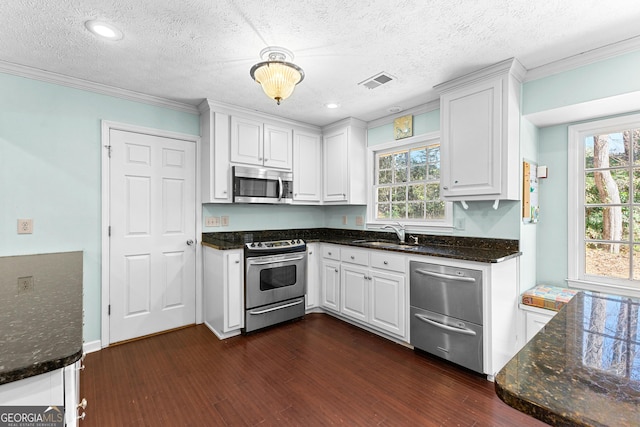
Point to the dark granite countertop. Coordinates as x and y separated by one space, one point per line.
462 248
582 368
41 322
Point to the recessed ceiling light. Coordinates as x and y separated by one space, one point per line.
395 109
104 30
332 105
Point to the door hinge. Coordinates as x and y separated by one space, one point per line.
109 232
108 147
109 310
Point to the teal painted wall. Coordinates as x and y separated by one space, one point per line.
615 76
50 154
600 80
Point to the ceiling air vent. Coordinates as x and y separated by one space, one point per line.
377 80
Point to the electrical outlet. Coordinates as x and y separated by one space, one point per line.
359 220
25 284
224 220
212 221
344 220
25 226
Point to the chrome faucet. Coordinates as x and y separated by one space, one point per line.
399 230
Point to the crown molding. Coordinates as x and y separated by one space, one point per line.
584 58
60 79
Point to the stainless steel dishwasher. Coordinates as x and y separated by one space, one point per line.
446 312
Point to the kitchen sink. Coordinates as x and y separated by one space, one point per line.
386 244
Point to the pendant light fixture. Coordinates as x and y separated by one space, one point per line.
277 77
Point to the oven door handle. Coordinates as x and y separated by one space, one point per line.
274 261
280 307
280 188
463 331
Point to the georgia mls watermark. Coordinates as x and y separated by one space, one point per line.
31 416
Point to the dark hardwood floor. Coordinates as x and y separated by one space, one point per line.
314 372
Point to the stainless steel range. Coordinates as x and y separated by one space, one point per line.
275 282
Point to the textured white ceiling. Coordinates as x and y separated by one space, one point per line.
187 50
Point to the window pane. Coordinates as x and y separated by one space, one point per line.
606 223
433 154
607 150
632 138
416 192
433 191
636 186
383 210
384 177
415 210
636 262
610 186
384 162
384 194
400 175
434 172
607 260
398 210
435 210
400 160
399 194
418 159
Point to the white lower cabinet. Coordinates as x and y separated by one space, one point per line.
535 319
368 286
313 276
355 292
224 291
60 387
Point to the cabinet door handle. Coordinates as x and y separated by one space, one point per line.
386 262
336 270
329 253
445 188
237 261
352 257
310 252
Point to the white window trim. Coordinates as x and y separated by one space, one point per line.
575 208
442 225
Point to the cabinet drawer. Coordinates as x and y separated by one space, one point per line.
355 256
331 252
387 261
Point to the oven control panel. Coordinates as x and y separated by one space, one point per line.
276 244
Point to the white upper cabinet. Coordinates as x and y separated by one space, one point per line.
344 162
278 151
480 134
307 167
216 171
255 143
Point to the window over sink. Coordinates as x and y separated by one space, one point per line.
406 184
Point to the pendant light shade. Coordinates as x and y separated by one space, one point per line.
277 77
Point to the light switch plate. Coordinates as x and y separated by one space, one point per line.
25 226
359 220
344 220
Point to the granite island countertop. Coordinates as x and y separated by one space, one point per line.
462 248
40 313
582 368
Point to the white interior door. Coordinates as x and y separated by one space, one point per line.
152 250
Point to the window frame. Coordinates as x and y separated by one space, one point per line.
575 208
440 225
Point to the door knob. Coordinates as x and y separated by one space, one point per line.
189 242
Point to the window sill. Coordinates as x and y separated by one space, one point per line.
606 288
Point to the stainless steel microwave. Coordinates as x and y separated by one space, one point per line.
256 185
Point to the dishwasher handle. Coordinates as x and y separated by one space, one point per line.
463 331
445 276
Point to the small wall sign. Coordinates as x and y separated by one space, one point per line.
403 127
